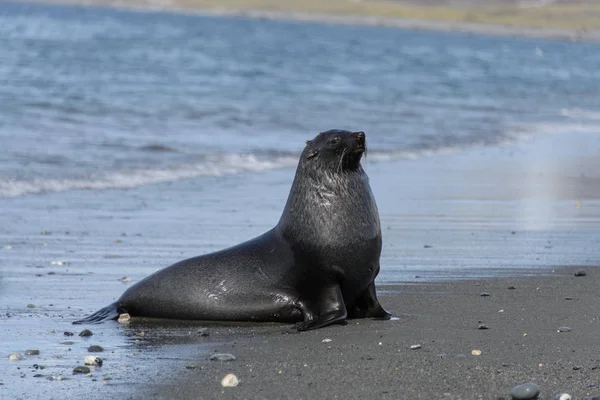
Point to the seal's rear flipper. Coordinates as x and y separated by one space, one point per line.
367 306
106 313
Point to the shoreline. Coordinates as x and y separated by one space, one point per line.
485 29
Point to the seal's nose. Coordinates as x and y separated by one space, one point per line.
360 138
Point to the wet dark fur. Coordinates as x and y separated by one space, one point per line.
316 266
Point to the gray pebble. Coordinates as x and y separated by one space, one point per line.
95 349
564 329
525 391
580 273
32 352
204 332
482 327
511 288
30 305
81 370
68 343
415 347
222 357
68 333
86 333
484 294
191 366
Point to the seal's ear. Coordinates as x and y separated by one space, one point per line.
311 152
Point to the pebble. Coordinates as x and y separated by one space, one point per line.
69 334
68 343
204 332
95 349
476 352
30 305
222 357
93 360
191 366
126 279
55 378
580 273
32 352
525 391
415 347
124 318
563 329
230 380
15 357
484 294
326 340
58 262
483 327
511 288
86 333
81 370
563 396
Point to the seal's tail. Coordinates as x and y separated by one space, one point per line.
106 313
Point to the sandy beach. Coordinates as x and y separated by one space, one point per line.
454 227
578 21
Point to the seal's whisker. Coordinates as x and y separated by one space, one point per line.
341 160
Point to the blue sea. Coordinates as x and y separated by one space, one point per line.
101 99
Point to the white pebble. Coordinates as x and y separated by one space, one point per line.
126 279
230 380
58 262
124 318
563 396
93 360
415 347
326 340
15 357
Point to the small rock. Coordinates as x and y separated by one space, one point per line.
58 262
525 391
93 360
476 352
124 318
568 298
95 349
563 329
30 305
68 343
204 332
81 370
222 357
415 347
511 288
15 357
326 340
32 352
484 294
68 333
126 279
580 273
482 327
230 380
55 378
563 396
191 366
38 375
86 333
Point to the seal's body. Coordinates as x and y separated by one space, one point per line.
317 265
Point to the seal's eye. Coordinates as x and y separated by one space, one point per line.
335 140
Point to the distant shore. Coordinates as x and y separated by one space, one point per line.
542 22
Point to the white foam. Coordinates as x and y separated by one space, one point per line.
227 164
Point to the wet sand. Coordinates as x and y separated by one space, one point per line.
455 225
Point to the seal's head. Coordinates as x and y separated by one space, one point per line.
336 149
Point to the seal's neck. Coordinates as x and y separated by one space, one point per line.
320 198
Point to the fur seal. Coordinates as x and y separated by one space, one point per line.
316 267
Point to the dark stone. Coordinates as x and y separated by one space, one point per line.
484 294
69 334
86 333
81 370
580 273
95 349
525 391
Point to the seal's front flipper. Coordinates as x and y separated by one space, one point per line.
367 306
326 309
109 312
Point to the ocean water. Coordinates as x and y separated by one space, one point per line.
99 99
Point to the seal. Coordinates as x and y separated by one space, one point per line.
316 267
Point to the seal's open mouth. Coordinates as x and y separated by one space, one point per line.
361 144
